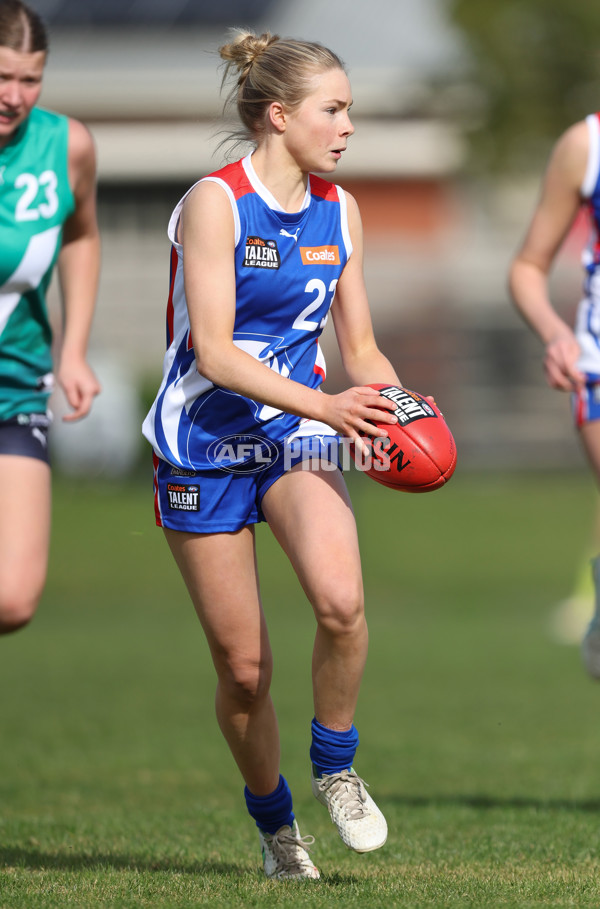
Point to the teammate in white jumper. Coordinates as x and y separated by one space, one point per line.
47 214
262 251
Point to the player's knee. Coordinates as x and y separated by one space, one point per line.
247 681
16 612
341 611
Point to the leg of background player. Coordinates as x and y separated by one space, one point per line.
24 538
590 648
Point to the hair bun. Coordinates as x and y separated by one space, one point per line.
244 49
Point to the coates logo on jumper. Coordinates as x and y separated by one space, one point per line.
242 454
409 407
320 255
261 253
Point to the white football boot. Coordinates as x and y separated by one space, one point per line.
359 821
590 646
285 854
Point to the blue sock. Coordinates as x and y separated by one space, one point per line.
332 751
271 811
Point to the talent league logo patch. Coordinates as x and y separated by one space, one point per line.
320 255
261 253
183 496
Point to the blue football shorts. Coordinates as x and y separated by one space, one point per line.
585 402
26 435
228 498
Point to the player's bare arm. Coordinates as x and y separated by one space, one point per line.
557 208
79 268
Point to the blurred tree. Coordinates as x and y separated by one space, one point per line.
536 64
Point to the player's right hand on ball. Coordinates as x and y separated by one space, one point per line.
354 412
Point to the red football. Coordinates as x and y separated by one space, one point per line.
420 453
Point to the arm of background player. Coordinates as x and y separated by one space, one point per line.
209 275
79 268
528 278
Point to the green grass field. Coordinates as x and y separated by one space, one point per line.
479 733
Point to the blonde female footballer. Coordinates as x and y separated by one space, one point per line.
262 251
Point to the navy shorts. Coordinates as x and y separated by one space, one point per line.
226 499
26 435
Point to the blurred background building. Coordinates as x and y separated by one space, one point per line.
440 222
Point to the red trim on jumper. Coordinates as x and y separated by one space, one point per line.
157 514
170 309
236 178
581 406
319 369
595 246
323 188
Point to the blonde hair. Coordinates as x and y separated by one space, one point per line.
268 69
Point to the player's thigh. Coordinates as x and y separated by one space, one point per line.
25 489
590 437
310 514
219 570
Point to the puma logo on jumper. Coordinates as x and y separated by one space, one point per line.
284 233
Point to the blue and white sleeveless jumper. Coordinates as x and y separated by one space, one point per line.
587 324
287 267
586 401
